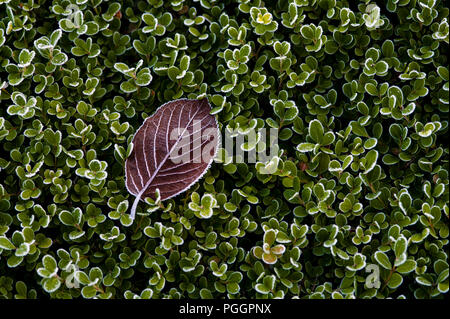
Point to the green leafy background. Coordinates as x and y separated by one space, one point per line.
357 89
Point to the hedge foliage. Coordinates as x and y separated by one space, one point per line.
357 89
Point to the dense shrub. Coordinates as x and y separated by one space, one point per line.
357 89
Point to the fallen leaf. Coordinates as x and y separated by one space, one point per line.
171 150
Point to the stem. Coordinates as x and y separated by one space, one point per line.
388 278
373 191
136 201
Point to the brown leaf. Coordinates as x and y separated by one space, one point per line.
171 150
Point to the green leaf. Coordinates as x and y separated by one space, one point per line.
88 292
358 129
408 266
143 77
383 260
316 131
307 32
49 263
400 246
128 86
233 288
395 281
269 282
371 161
405 202
269 237
14 261
206 294
6 244
424 281
305 147
51 284
390 159
122 67
262 289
